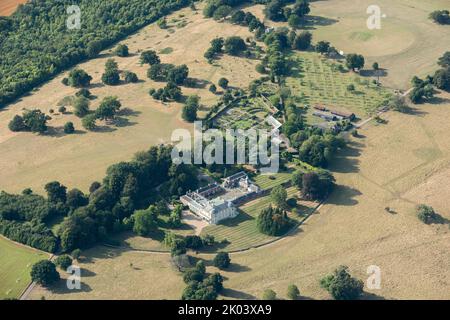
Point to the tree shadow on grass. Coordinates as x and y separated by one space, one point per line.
61 288
220 246
242 217
235 294
236 268
122 122
87 273
438 100
414 111
371 296
104 129
127 112
55 132
58 132
438 219
293 232
97 85
311 22
346 160
382 73
198 83
344 196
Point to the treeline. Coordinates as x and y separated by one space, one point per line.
23 217
35 43
103 212
423 89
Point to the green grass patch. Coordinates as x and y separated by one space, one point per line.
242 232
267 182
15 266
361 35
167 50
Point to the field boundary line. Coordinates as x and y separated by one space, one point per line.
26 292
288 233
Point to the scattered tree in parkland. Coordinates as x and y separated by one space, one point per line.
322 47
130 77
76 254
222 260
44 273
31 120
122 50
235 45
292 292
108 108
64 261
223 83
81 106
279 197
342 286
426 214
273 222
78 78
440 16
355 61
302 41
150 57
69 128
317 185
213 88
111 76
190 108
89 122
398 103
269 294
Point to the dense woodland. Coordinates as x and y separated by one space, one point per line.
35 43
104 211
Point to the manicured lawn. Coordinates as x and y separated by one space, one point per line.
267 182
242 232
15 266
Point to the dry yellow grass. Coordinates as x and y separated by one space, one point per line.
397 165
7 7
116 274
353 228
407 44
76 160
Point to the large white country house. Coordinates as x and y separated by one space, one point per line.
215 202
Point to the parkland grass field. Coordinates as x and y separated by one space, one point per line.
393 166
78 160
15 266
407 44
396 165
7 7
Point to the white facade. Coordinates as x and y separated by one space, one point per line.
215 209
212 211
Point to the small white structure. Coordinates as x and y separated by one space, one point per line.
215 202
